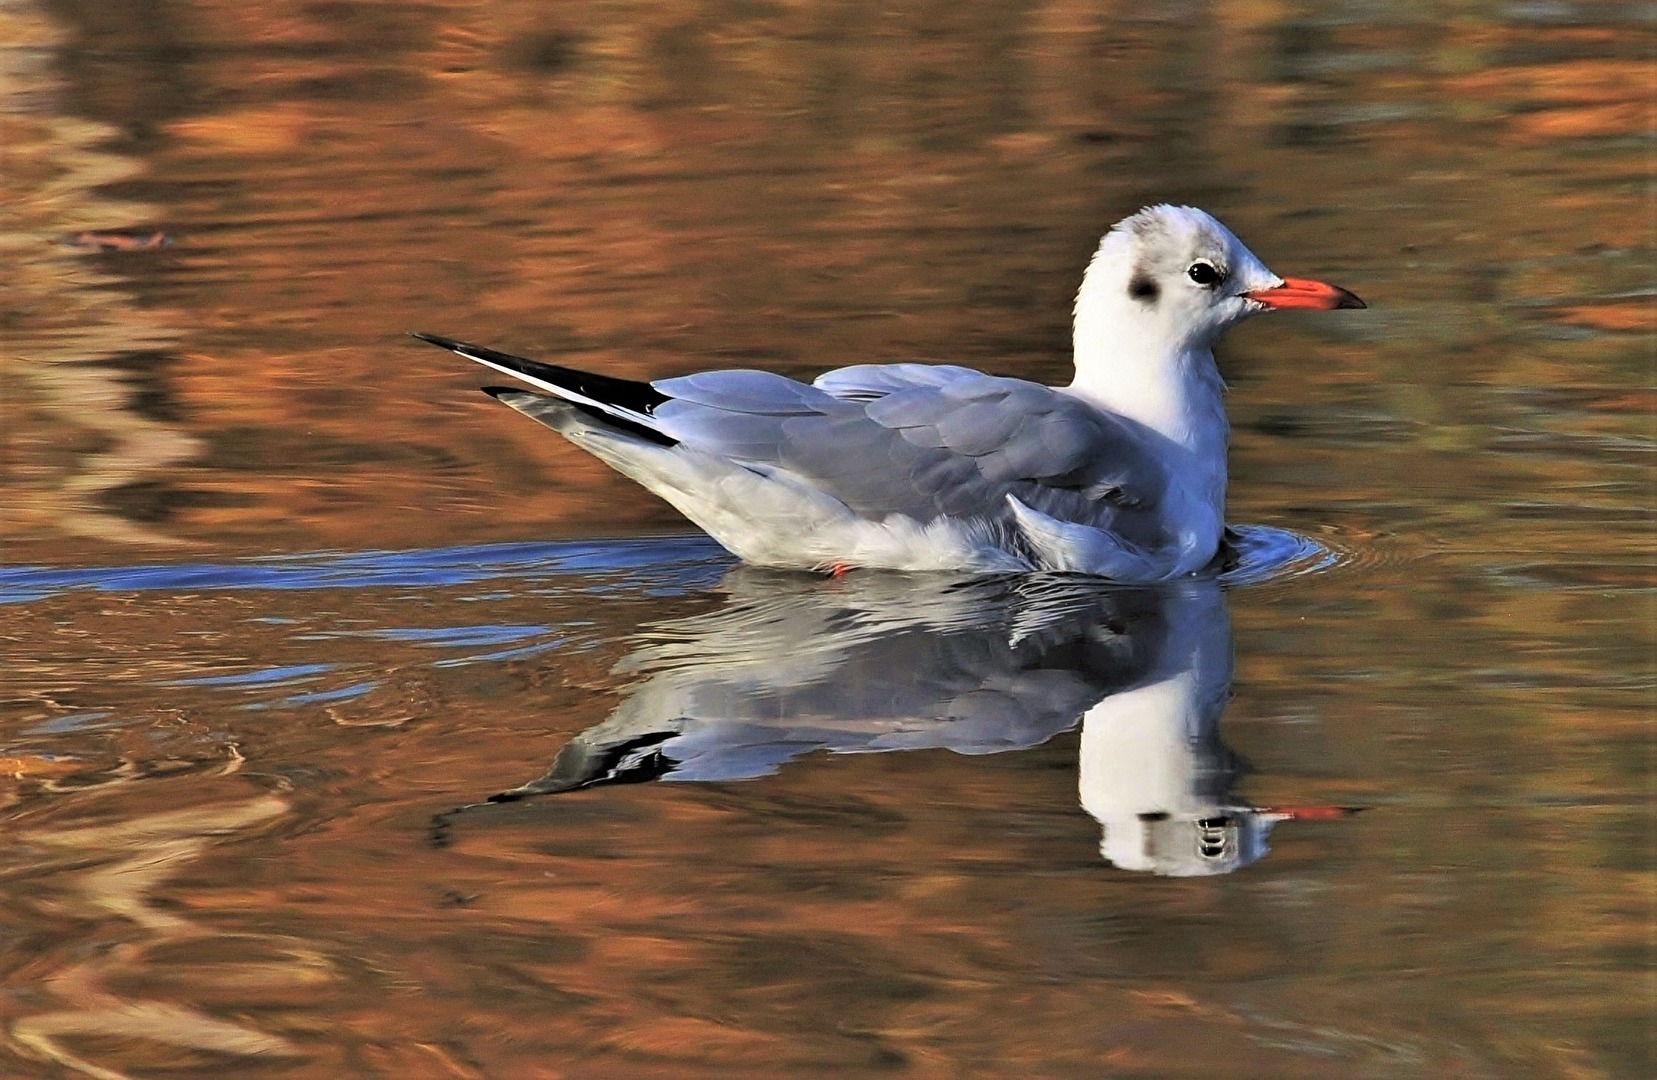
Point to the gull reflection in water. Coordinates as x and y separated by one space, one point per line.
879 662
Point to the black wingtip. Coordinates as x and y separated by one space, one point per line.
602 397
441 342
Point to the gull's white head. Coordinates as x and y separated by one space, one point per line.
1171 279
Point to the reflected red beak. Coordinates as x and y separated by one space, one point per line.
1311 813
1305 293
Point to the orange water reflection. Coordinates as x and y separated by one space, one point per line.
194 884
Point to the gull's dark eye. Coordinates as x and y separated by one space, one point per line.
1205 273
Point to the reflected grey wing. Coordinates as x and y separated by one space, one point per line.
877 663
920 440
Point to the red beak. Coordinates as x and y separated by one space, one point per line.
1304 293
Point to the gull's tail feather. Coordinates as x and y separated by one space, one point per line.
631 404
558 414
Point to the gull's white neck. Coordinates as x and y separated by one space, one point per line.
1130 360
1142 361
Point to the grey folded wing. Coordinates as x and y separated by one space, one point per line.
921 440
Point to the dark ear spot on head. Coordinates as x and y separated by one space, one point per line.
1142 288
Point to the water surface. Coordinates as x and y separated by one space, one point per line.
285 602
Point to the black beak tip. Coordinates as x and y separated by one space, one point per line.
1347 300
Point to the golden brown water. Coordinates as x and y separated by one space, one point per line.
281 590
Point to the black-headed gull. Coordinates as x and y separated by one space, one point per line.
935 467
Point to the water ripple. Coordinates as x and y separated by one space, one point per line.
263 677
1267 554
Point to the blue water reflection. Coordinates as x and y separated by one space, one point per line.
660 566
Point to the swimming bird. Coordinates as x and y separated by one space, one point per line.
1120 474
